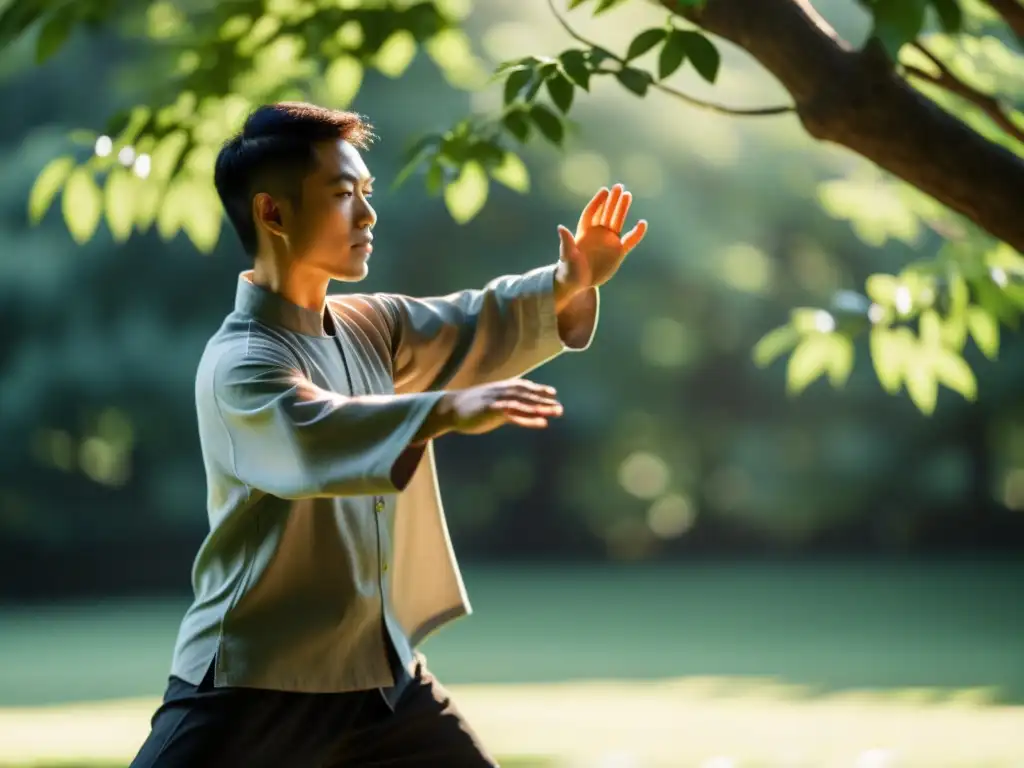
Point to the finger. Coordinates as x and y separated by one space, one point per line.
568 242
526 396
609 208
634 236
529 423
593 208
514 408
542 389
621 211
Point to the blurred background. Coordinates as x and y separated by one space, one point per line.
690 568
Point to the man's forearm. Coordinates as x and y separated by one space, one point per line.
575 309
437 423
564 291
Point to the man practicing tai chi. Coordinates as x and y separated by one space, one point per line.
328 558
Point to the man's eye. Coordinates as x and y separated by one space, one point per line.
344 194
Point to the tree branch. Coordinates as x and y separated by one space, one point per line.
946 80
854 99
693 101
1012 13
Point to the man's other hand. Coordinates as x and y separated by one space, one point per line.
476 410
589 258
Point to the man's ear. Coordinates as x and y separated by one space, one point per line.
267 214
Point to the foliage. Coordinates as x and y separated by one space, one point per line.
228 56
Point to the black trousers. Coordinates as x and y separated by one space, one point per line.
207 727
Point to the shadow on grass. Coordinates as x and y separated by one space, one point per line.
505 762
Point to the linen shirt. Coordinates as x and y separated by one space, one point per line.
327 534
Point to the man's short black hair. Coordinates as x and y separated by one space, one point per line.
274 152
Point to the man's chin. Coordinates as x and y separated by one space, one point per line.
352 272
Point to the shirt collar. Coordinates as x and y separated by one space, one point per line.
274 310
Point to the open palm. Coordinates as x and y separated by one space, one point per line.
598 248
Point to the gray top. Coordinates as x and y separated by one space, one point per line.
327 534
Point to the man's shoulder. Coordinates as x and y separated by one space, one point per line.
370 310
241 339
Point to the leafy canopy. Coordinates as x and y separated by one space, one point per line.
152 165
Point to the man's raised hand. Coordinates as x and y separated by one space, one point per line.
590 257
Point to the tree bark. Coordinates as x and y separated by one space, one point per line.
854 99
1012 13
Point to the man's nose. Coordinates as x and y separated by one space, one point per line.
366 217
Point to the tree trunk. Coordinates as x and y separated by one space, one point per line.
854 99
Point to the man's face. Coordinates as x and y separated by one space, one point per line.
330 227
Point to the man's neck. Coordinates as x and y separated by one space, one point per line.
305 288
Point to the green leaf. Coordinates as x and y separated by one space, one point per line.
82 205
635 80
543 73
950 15
414 158
505 66
646 40
773 344
606 5
574 62
576 3
83 137
702 53
673 53
54 34
148 198
994 300
810 359
512 173
172 209
561 90
47 185
841 360
882 289
596 56
119 203
954 331
930 328
517 124
984 328
465 196
137 122
897 22
811 320
1006 257
888 347
202 215
922 385
516 81
548 123
959 294
342 79
952 371
434 178
167 154
15 18
874 209
396 53
234 27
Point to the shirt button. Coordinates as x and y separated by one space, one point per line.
384 567
379 506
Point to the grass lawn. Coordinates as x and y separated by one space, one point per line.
693 722
756 666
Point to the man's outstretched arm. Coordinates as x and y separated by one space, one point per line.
516 323
285 436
